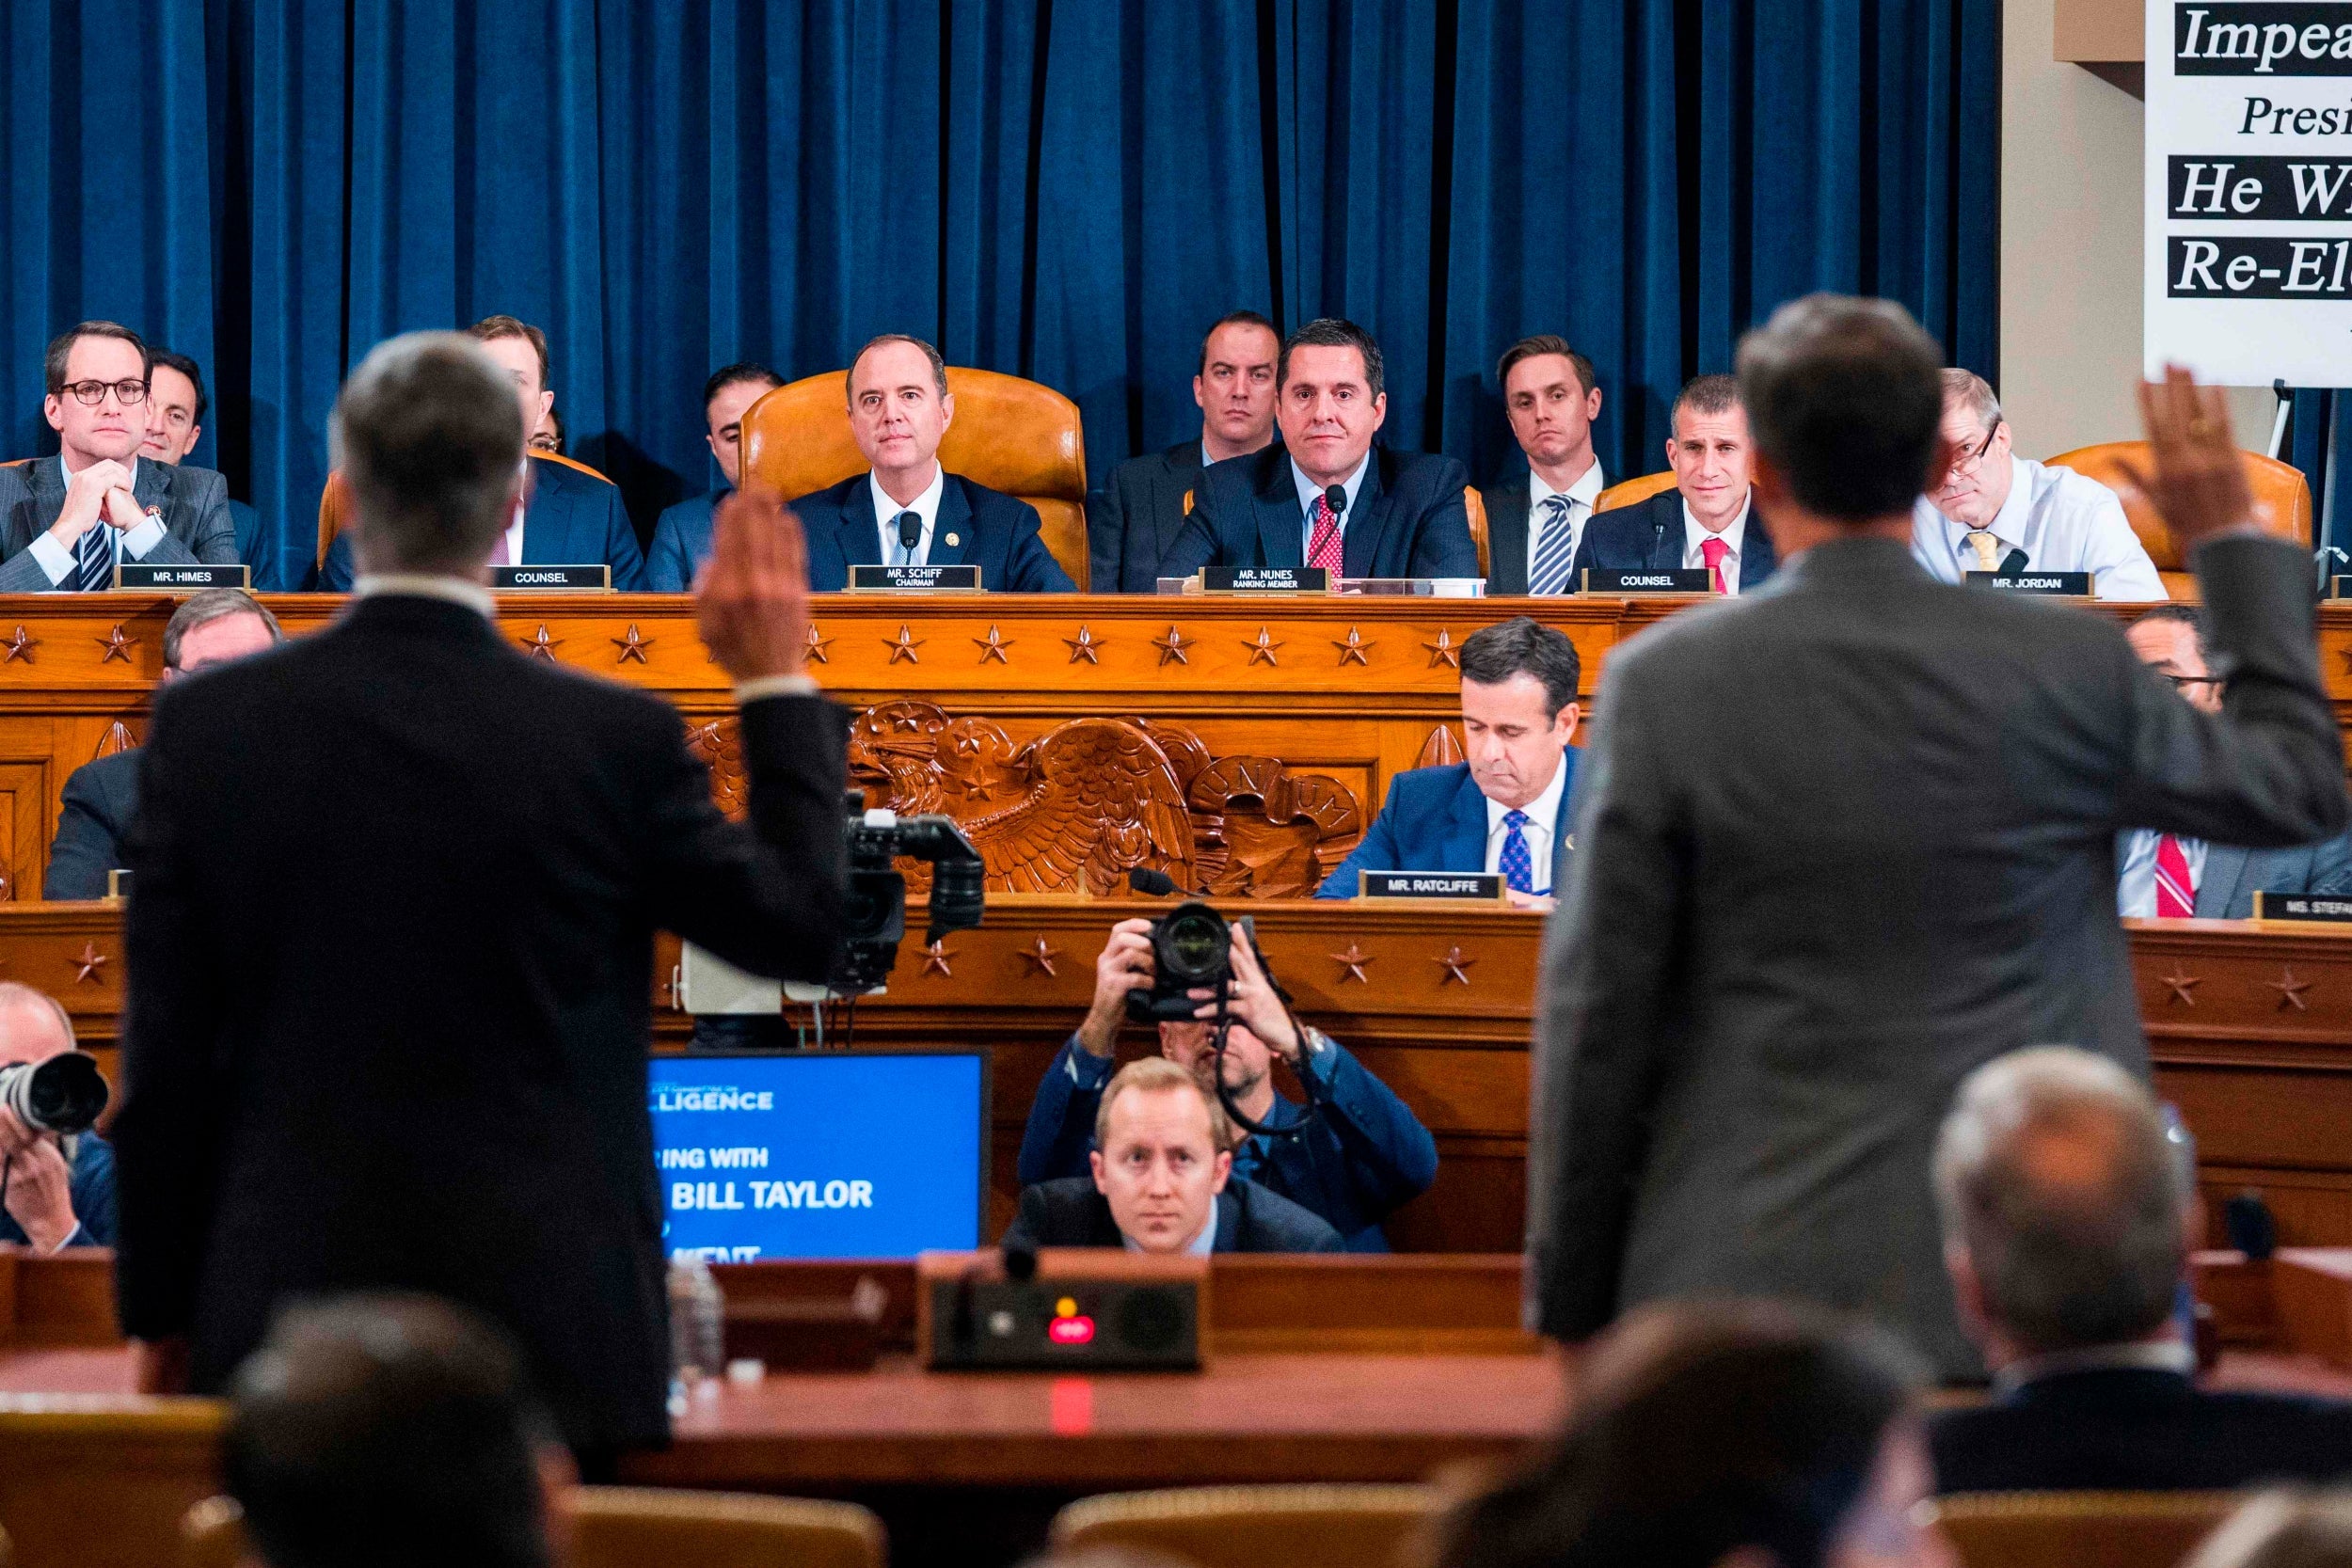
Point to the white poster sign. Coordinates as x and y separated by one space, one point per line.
2248 194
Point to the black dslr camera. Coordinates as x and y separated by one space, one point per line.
1192 949
874 906
64 1094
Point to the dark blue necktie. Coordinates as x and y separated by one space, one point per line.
1516 865
93 560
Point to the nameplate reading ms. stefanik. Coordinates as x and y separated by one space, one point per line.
1264 579
552 580
2064 585
959 578
185 577
2303 909
1604 579
1480 887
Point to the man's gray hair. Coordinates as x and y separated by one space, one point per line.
428 437
2055 1172
213 604
1974 393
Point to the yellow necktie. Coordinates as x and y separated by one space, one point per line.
1982 541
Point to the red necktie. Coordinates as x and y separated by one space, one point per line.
1713 551
1323 543
2176 895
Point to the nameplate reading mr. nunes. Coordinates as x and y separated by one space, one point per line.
959 578
1264 579
184 578
552 580
2317 908
1600 579
2072 585
1484 887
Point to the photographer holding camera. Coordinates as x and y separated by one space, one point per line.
49 1199
1363 1157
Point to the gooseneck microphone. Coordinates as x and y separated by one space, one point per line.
1336 499
1143 879
2013 563
910 531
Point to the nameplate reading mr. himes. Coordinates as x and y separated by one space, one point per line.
1479 886
1264 579
2074 585
184 577
1602 579
552 580
2324 909
961 578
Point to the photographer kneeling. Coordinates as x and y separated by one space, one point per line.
1360 1160
48 1201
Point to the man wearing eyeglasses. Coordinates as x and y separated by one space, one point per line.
1998 511
2173 876
65 521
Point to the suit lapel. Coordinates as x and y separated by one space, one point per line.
1756 559
1180 471
47 483
1506 536
151 486
1464 848
858 535
1359 551
952 530
1561 820
1278 516
1228 1222
2225 868
547 523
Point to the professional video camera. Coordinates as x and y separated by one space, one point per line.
1192 948
874 907
64 1094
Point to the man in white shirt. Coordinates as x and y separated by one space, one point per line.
1535 520
1998 511
1703 524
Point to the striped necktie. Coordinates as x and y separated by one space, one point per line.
94 559
1556 548
2176 892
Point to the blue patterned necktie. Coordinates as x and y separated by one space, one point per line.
93 560
1516 865
1556 548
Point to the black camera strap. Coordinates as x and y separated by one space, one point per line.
1221 1026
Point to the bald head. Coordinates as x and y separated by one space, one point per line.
2061 1201
33 1025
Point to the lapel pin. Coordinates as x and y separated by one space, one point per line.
953 540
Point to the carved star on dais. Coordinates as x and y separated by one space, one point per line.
904 645
2290 991
935 958
1264 648
993 646
1085 645
1444 650
117 645
87 963
2181 986
1040 957
1173 648
1457 964
1352 963
817 645
542 645
633 645
1355 650
19 646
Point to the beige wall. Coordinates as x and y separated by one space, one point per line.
2071 249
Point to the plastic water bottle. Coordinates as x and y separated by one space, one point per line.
697 1331
2183 1143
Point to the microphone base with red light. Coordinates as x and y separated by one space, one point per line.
1082 1309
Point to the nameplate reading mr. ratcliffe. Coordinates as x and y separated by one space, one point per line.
2317 908
1264 579
2071 585
1601 579
961 578
183 578
1485 887
552 580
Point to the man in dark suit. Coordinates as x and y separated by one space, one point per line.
908 510
391 941
1706 522
1146 500
1365 1155
102 796
67 521
1844 839
2067 1228
176 406
567 518
681 538
2173 876
1505 806
1162 1181
1551 396
1402 514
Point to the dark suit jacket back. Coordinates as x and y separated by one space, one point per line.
1137 516
976 526
1650 536
2136 1430
1407 520
1841 842
197 527
1068 1212
100 797
570 519
389 956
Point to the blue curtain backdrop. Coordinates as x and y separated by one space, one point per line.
1066 191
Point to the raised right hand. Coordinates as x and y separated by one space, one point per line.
751 599
2198 486
1125 965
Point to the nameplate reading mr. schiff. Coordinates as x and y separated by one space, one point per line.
1603 579
1264 579
2071 585
181 578
552 580
2318 909
961 578
1485 887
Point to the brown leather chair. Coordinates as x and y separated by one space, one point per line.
335 499
1015 436
2282 502
1477 505
105 1481
2078 1529
1247 1527
1632 492
631 1527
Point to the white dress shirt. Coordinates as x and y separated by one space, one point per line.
2062 521
1542 813
1581 497
1735 535
57 560
514 528
1308 492
924 506
2135 878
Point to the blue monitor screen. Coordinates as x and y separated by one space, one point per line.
848 1154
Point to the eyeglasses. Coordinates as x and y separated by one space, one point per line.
1969 462
128 393
2182 682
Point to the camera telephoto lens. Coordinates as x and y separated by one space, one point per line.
1195 943
65 1094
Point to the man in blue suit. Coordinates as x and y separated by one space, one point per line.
52 1200
1364 1158
570 518
1706 522
907 510
1505 808
1325 496
2170 876
681 537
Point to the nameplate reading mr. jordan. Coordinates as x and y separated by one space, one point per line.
2074 585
